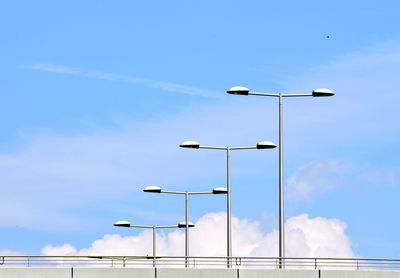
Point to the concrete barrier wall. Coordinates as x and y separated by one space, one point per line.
113 272
276 273
359 274
196 273
30 272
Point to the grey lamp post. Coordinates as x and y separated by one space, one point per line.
238 90
129 225
196 145
186 224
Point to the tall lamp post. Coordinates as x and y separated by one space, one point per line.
238 90
154 228
196 145
186 224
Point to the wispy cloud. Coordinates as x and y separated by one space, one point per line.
318 177
162 85
8 252
58 176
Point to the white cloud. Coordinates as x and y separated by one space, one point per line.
305 237
315 178
319 177
378 177
65 250
9 252
165 86
323 237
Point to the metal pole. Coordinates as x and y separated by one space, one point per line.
186 228
281 199
154 246
228 208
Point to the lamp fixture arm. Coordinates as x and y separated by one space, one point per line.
264 94
173 192
199 193
296 95
213 148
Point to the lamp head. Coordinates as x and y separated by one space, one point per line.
183 225
190 144
265 145
122 224
238 90
322 93
152 189
220 190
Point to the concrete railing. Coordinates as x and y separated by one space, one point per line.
198 262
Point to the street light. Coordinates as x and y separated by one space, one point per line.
128 224
239 90
196 145
186 224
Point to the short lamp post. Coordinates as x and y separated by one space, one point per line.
196 145
186 224
238 90
154 228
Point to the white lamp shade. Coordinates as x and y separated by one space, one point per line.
220 190
190 144
323 92
122 224
238 90
152 189
183 224
266 145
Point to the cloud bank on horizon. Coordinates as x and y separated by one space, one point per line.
305 236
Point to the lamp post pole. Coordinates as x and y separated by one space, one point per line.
238 90
281 196
228 208
154 246
196 145
186 224
186 227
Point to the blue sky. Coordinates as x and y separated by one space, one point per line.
97 96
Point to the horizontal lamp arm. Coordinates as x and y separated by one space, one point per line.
263 94
213 148
198 193
282 95
227 148
297 95
172 192
242 148
141 226
165 227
